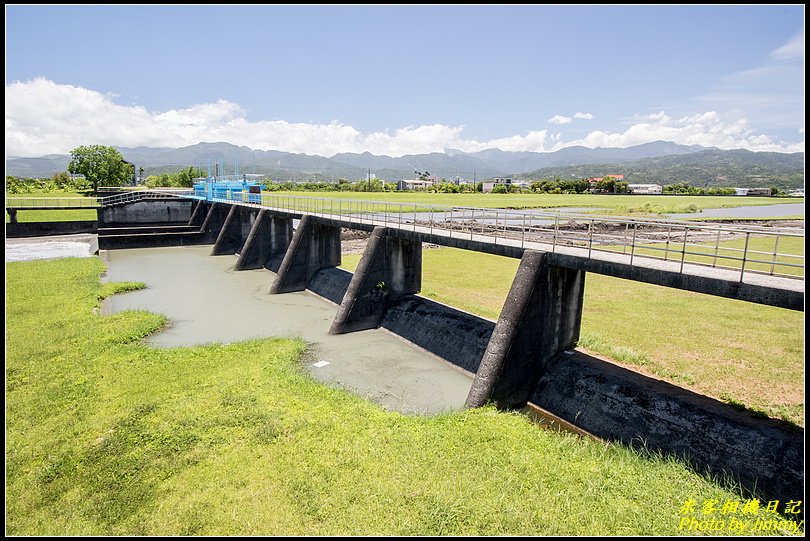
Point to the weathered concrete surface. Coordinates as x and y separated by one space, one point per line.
214 220
314 246
540 318
234 231
266 242
151 239
146 212
40 229
390 268
618 404
198 213
455 336
330 283
146 228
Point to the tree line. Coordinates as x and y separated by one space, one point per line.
101 165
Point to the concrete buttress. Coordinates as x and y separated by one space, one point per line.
540 318
390 268
314 246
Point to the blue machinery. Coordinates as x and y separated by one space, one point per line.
234 187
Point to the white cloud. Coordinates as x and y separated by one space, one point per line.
793 49
706 129
560 119
43 117
770 93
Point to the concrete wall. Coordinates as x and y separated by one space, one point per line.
150 211
449 333
621 405
41 229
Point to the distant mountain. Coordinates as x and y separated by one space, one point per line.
436 163
517 162
45 166
710 167
660 162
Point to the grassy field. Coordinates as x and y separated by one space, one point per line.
61 215
106 436
739 352
639 203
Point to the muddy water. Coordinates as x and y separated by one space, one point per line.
207 301
763 211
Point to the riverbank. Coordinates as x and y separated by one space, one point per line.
108 436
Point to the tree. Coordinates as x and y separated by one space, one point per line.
100 164
185 178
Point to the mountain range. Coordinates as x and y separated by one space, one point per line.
657 162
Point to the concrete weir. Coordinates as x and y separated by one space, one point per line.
389 269
528 356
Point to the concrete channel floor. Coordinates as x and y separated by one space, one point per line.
206 301
28 248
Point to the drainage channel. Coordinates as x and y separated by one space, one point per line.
206 301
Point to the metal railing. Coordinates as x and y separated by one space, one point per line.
90 202
51 202
749 249
141 195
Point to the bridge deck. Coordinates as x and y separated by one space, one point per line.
749 286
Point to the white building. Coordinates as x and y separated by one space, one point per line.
645 189
414 184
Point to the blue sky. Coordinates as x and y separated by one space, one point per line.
404 79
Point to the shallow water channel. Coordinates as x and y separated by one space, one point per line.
207 301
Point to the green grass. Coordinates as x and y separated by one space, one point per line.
106 436
641 203
60 215
57 215
732 350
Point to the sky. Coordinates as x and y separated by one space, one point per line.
407 79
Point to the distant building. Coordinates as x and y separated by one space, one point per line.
761 191
754 191
487 187
414 184
645 189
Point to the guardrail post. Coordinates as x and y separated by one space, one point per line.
556 231
633 243
683 248
775 248
745 255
